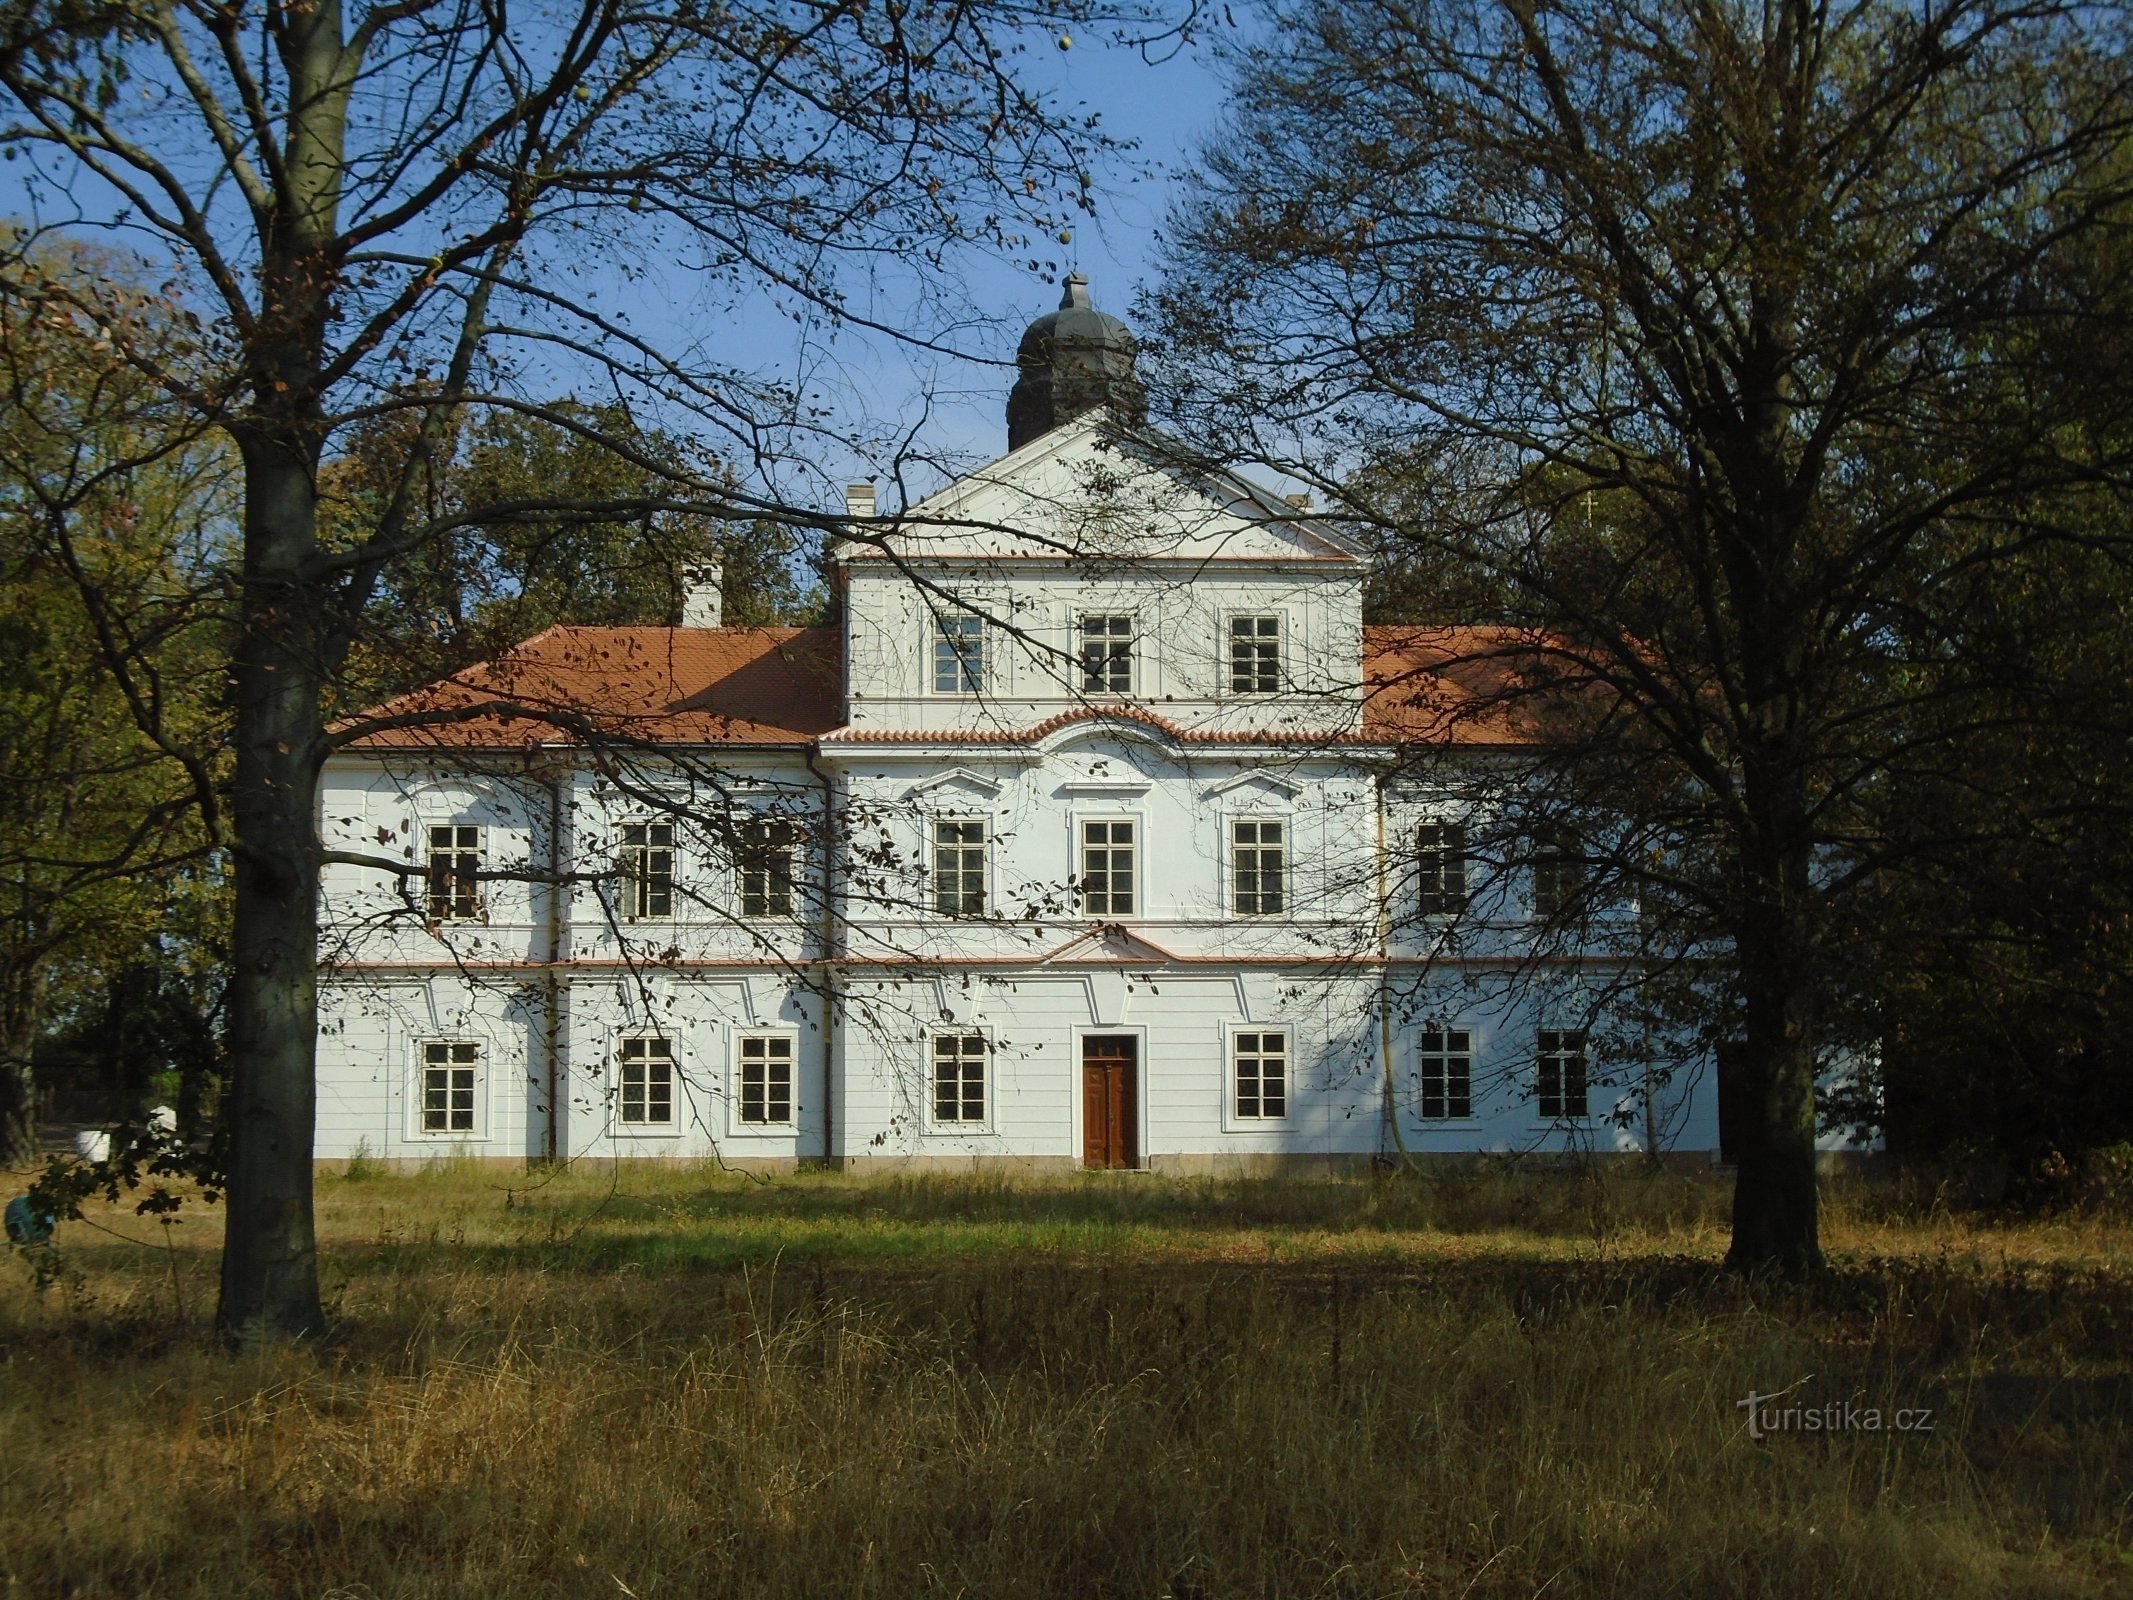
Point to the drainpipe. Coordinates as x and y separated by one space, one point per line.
828 989
1392 1105
552 1021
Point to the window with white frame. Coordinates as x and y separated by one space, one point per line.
958 654
764 855
1259 1069
959 866
1562 1074
1107 868
1446 1071
1559 871
1259 867
647 1083
765 1080
1107 654
647 870
1440 867
451 1086
1255 654
959 1078
454 872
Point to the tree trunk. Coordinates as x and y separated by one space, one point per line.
1776 1225
1776 1220
18 1075
18 1099
269 1258
270 1249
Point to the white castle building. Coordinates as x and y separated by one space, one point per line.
1092 835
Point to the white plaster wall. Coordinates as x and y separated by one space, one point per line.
382 806
368 1078
1184 807
704 1014
1185 1023
382 810
1031 621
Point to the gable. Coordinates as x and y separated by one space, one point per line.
957 784
1254 788
1088 492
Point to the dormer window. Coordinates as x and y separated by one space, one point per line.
1255 654
1107 655
958 655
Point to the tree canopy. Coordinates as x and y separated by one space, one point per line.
1711 337
409 216
109 715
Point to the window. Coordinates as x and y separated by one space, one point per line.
1447 1074
959 867
958 1078
958 655
765 858
1107 655
1262 1075
766 1079
1558 872
1562 1074
451 1080
647 1083
1441 868
1254 654
1259 868
1107 869
647 870
455 873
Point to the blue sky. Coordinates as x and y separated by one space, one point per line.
955 408
948 404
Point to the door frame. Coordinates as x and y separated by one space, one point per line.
1076 1141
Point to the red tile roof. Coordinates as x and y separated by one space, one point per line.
1445 685
782 686
752 686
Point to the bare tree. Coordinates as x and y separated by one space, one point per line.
1706 334
413 207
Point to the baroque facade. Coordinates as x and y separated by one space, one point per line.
1090 835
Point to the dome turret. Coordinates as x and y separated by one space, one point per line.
1072 360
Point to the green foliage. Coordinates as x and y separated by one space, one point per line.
362 1165
170 1169
111 721
572 514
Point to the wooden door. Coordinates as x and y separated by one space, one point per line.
1110 1097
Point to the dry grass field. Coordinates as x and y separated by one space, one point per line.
676 1383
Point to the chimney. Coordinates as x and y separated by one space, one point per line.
859 501
703 603
1299 502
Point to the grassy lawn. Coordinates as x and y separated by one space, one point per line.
681 1383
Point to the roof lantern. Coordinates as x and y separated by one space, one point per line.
1073 360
